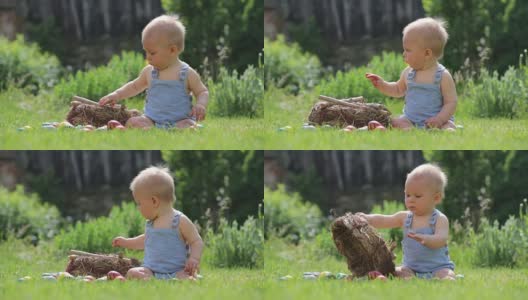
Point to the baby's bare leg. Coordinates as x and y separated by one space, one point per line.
402 123
449 125
185 123
139 273
139 122
404 272
447 274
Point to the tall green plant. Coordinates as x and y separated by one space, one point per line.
353 83
498 97
98 82
289 217
24 215
25 65
96 235
286 66
236 246
234 96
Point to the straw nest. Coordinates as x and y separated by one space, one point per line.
99 265
86 114
355 113
364 249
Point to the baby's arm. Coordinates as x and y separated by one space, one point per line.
437 240
136 243
196 86
128 90
386 221
449 95
392 89
192 238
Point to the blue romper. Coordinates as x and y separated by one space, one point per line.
423 100
422 260
165 251
167 101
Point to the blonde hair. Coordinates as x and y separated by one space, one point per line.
433 173
157 180
433 33
171 26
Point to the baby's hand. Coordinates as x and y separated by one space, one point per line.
110 99
374 79
118 242
434 122
420 238
192 266
198 111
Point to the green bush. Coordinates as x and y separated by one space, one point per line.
96 235
324 245
389 208
286 66
25 216
474 24
501 246
289 217
25 65
234 246
353 83
493 96
234 96
225 33
96 83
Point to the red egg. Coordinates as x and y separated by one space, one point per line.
381 277
374 274
113 124
113 275
373 124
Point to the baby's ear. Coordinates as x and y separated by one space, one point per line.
175 49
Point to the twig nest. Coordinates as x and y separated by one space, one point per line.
357 113
96 115
99 265
362 246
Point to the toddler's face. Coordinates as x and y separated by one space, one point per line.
420 197
145 203
158 51
413 51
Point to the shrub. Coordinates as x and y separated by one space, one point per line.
353 83
324 245
505 245
24 65
234 246
25 216
389 208
286 66
287 216
493 96
98 82
234 96
96 235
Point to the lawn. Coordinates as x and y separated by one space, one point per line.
20 109
18 260
483 134
283 259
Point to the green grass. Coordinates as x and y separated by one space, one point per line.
482 134
282 259
20 109
18 260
